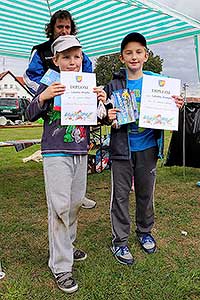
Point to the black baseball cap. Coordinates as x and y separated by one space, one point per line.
133 37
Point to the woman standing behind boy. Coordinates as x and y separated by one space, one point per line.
61 23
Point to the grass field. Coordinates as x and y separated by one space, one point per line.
173 273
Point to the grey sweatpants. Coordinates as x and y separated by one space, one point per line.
65 185
143 167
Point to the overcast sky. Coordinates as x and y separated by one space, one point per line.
179 56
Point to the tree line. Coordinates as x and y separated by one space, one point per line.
106 65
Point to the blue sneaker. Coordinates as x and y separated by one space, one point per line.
122 254
147 242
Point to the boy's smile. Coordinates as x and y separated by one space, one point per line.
134 56
69 60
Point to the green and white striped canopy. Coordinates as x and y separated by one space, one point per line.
101 24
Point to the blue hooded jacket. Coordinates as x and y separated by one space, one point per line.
119 143
41 61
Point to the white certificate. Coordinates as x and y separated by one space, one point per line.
79 102
158 109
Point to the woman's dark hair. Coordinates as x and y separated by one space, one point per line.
60 14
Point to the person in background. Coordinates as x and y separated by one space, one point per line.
65 166
61 24
134 152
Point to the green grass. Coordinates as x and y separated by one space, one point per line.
172 273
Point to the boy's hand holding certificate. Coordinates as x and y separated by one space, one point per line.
49 77
158 109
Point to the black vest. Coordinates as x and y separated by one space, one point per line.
44 51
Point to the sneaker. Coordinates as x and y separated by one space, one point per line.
66 282
147 242
122 254
88 203
79 255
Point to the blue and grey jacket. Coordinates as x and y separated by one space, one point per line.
41 61
119 141
56 138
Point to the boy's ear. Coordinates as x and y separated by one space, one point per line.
146 56
55 61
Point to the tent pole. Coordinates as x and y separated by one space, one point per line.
49 8
184 113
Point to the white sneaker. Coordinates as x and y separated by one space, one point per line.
88 203
123 255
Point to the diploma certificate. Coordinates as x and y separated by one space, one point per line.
79 102
158 109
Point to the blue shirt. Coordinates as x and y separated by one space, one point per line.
139 138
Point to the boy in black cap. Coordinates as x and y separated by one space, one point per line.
134 152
